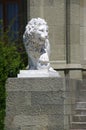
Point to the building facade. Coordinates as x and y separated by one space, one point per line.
67 29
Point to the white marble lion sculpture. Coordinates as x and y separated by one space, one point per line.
37 44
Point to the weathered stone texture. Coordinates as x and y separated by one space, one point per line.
38 103
53 11
83 28
35 102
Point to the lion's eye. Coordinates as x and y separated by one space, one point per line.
46 30
41 30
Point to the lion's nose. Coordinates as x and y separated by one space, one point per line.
46 36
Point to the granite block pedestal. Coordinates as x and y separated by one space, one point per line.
35 104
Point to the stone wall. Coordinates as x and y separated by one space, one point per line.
39 103
53 11
83 28
75 48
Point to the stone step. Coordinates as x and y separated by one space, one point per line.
80 111
81 105
82 96
84 83
82 91
79 118
83 87
78 125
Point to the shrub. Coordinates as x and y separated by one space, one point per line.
12 58
10 64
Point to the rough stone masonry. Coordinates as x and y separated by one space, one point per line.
37 103
34 104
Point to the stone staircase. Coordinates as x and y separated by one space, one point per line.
78 121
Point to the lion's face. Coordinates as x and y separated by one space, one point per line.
41 34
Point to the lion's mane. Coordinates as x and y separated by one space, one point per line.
31 28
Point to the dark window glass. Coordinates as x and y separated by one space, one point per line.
1 12
12 17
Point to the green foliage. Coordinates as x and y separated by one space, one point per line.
10 64
10 61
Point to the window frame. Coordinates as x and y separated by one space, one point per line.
22 13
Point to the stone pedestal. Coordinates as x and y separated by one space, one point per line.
37 104
34 104
38 73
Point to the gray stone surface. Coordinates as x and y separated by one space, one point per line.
54 11
47 98
35 84
38 103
